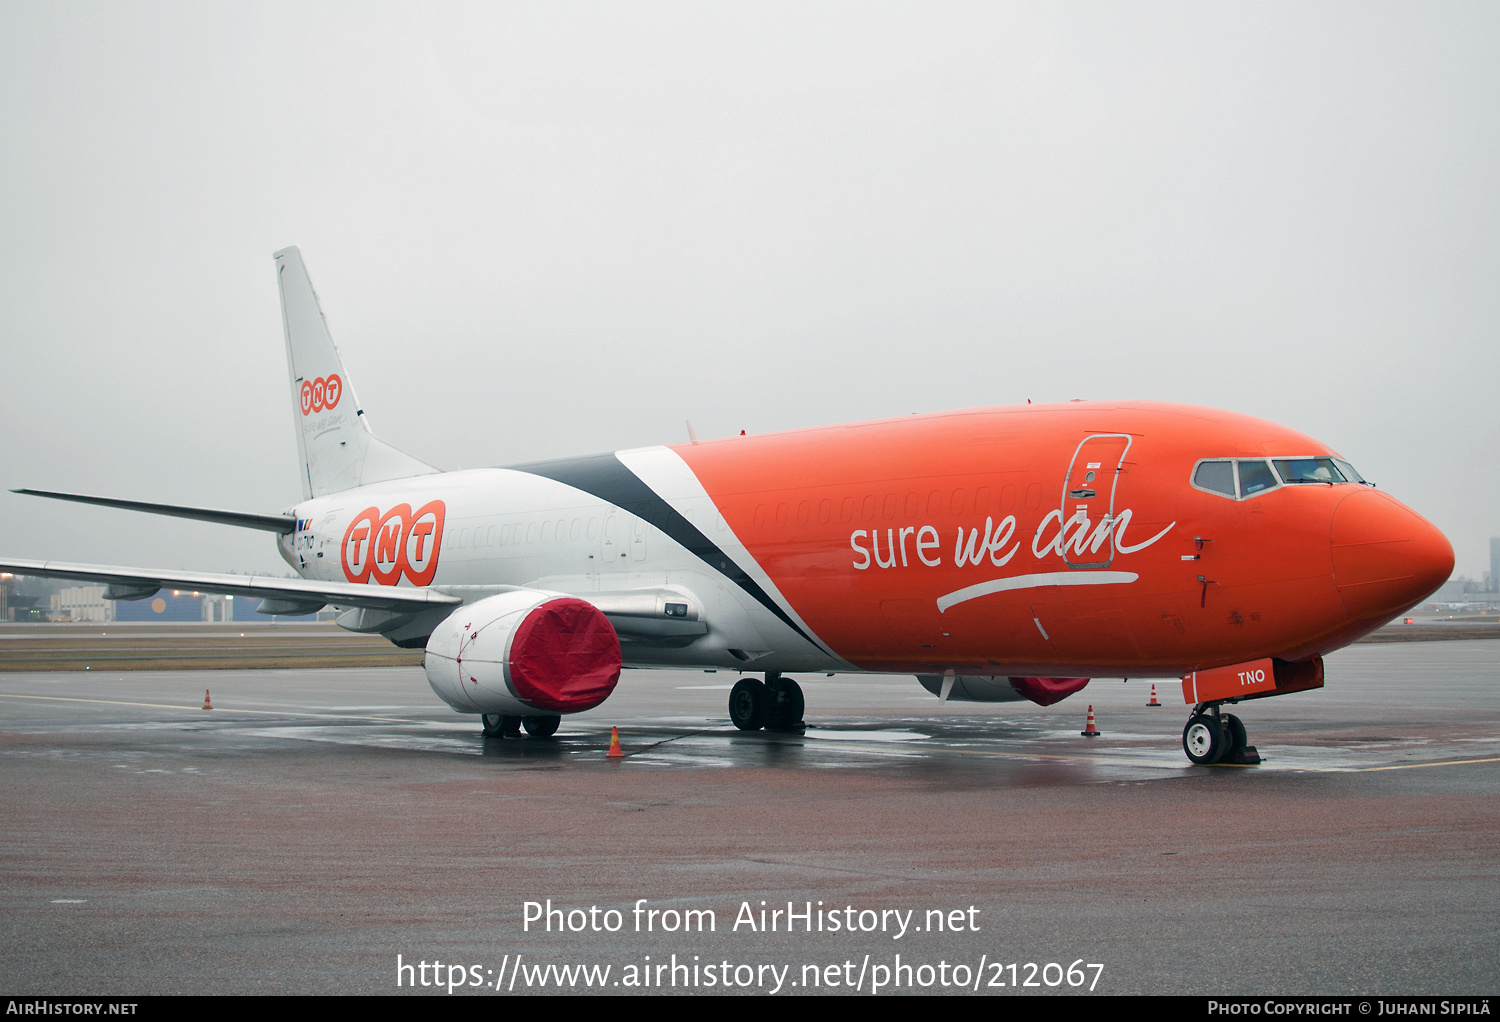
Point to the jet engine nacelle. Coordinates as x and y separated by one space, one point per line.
526 653
977 688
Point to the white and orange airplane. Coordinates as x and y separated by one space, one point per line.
996 554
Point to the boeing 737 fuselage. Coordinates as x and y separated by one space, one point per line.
997 554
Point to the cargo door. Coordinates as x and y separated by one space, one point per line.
1089 500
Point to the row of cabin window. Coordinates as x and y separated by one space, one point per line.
935 503
528 532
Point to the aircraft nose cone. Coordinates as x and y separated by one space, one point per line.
1386 557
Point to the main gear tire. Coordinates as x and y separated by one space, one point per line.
541 727
786 707
749 704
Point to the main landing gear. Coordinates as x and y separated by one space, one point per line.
775 704
503 725
1214 737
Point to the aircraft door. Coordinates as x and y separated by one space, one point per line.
323 547
638 540
1089 498
614 548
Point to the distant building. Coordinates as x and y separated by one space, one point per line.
82 603
166 605
176 605
1462 593
24 608
1451 591
1494 563
25 598
247 609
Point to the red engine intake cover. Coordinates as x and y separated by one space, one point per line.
565 656
1046 691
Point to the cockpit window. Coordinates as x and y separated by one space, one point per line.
1309 470
1255 476
1349 473
1217 476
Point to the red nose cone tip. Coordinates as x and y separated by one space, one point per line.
1386 557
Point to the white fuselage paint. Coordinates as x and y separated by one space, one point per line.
512 528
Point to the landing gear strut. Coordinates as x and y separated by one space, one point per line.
1214 737
775 704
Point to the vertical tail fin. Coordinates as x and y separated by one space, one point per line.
338 450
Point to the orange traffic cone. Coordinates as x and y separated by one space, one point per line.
1092 731
614 745
1153 701
207 702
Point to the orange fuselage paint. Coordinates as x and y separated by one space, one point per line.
1054 539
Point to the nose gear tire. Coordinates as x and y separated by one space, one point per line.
1203 739
1235 736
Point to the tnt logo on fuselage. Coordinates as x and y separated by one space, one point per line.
383 547
321 395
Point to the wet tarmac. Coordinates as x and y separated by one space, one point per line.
317 823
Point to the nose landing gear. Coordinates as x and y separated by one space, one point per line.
1214 737
775 704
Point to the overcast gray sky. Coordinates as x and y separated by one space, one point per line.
551 229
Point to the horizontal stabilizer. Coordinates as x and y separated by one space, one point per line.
304 592
243 519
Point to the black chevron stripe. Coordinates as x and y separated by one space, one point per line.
607 478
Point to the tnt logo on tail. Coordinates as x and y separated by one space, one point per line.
321 395
399 542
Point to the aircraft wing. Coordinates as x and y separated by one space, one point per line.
140 583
